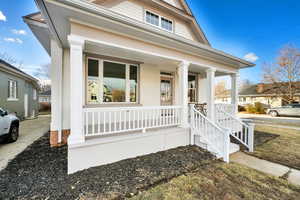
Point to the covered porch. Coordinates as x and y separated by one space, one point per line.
127 90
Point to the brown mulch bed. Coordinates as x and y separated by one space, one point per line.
40 172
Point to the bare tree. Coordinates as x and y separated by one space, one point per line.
220 88
284 74
43 71
10 59
245 84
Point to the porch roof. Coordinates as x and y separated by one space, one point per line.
58 13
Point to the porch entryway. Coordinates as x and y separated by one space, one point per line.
166 89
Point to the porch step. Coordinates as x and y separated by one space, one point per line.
233 148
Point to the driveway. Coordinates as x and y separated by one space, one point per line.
30 130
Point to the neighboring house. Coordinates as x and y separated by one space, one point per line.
263 93
45 97
18 91
123 74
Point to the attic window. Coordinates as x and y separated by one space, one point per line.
152 18
159 21
166 24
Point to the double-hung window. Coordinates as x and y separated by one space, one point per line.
111 82
12 90
159 21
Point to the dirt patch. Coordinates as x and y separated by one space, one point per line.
40 172
279 145
261 137
223 181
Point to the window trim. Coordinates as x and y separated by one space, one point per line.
159 21
34 95
15 97
100 78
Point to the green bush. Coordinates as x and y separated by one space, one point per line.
257 108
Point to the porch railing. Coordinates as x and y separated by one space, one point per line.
228 108
241 131
104 121
216 138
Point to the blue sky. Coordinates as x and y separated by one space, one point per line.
238 27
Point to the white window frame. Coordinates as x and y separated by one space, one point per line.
100 78
12 97
159 21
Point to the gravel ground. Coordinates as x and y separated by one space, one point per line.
40 172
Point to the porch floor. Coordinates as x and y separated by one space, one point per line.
40 172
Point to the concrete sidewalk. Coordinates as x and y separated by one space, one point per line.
266 167
30 130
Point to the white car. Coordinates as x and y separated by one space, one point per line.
9 126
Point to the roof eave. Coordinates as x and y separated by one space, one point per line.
102 12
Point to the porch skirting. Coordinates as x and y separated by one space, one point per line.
104 150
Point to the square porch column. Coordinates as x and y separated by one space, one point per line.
235 91
56 88
76 90
183 91
210 89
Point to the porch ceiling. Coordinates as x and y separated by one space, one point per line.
136 56
142 58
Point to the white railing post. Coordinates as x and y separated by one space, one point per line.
251 137
192 117
226 145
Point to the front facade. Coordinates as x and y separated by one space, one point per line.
124 76
18 91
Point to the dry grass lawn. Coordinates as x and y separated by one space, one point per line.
222 181
284 149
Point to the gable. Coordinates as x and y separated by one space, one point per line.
175 3
184 24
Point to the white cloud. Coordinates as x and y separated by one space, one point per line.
14 40
35 70
19 41
19 32
2 16
252 57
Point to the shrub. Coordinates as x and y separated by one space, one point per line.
241 108
257 108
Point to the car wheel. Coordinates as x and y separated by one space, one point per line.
13 133
273 113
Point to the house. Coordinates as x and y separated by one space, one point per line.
45 97
123 75
263 93
18 91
